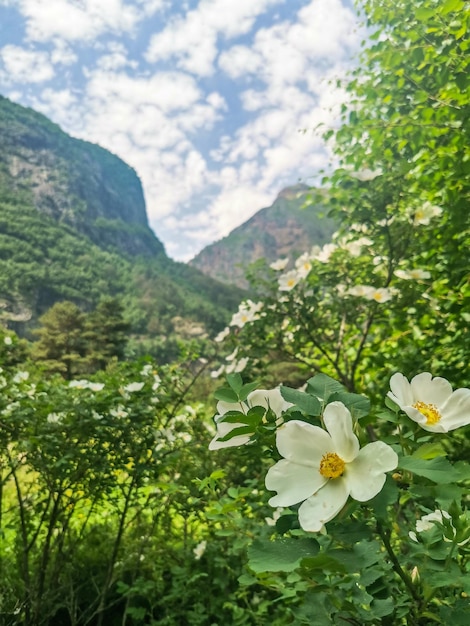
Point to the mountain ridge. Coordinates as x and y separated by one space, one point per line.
74 181
73 226
283 229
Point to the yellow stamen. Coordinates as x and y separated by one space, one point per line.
331 465
429 411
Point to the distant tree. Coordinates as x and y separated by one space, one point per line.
72 342
105 334
61 346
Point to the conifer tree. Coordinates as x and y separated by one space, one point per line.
61 344
105 334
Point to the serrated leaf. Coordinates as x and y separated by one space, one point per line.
380 608
439 470
390 404
388 416
237 417
310 405
243 430
283 555
322 386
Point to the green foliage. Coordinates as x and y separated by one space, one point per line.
73 227
390 294
104 513
72 342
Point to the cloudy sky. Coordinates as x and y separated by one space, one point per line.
213 102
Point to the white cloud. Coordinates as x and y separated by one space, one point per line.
213 140
74 20
25 66
192 40
116 57
62 54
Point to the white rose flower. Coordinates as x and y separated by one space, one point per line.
279 265
322 468
428 521
430 402
289 280
131 387
260 397
425 213
415 274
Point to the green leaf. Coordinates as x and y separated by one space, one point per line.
324 562
429 451
283 555
358 405
322 386
235 381
390 404
439 470
380 608
308 404
226 395
451 5
245 390
287 522
243 430
237 417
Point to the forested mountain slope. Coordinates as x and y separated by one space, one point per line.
73 226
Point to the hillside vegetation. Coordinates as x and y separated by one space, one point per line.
337 498
73 227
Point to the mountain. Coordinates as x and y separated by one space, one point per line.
284 229
75 182
73 226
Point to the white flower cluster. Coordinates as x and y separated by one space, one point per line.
232 365
248 311
85 384
437 518
378 294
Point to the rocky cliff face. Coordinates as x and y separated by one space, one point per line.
73 226
285 229
73 181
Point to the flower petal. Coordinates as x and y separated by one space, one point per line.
323 505
293 482
225 407
422 420
303 443
268 398
338 422
223 428
430 390
456 411
400 390
365 476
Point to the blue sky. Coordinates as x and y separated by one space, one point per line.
206 99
